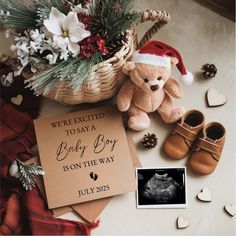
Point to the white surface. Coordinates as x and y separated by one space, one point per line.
202 36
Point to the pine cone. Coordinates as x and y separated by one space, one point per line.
149 140
116 44
209 70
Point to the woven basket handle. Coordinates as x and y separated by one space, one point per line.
160 17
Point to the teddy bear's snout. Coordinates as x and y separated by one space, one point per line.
154 87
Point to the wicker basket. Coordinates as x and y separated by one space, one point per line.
106 77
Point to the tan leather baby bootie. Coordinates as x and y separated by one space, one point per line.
208 148
180 140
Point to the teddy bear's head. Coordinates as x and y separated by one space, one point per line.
150 78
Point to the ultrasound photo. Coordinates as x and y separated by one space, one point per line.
161 187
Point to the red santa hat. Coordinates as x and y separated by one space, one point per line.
159 54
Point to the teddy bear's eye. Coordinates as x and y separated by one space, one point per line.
159 78
146 80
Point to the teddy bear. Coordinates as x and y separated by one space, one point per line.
151 85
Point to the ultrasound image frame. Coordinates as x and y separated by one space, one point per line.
162 187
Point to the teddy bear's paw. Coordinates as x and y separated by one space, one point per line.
174 115
139 123
123 106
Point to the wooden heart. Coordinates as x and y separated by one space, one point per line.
182 223
17 100
231 209
215 99
205 195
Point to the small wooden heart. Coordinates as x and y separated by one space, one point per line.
205 195
215 99
17 100
231 209
182 223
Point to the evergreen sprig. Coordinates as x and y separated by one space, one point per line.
112 17
44 8
17 14
42 82
83 70
74 69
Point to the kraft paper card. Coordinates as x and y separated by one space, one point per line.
92 209
85 156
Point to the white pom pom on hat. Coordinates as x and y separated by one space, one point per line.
159 54
187 78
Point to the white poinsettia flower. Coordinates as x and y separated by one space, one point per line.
67 27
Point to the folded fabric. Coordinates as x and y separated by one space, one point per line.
25 212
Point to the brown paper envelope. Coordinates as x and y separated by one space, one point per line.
94 150
92 209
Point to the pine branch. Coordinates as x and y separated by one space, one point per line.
44 81
83 71
44 8
124 22
112 17
17 14
75 69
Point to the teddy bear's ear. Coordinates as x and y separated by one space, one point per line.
128 67
174 61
